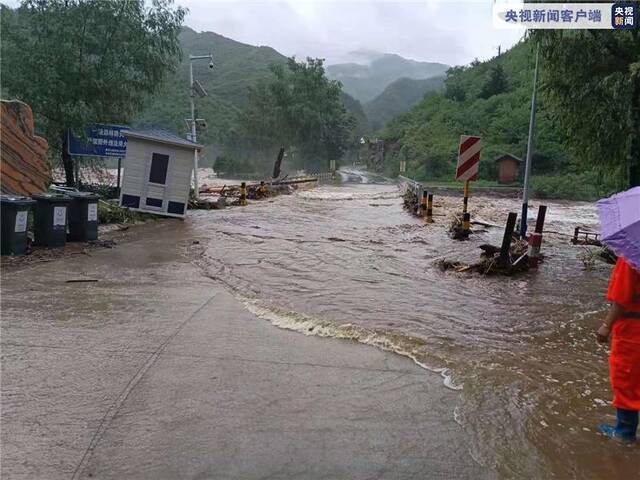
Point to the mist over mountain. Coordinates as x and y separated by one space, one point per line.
399 97
362 56
371 72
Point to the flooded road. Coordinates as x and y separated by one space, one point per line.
347 261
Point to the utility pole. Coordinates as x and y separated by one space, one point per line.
192 120
527 168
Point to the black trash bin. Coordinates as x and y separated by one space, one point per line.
83 217
50 219
15 213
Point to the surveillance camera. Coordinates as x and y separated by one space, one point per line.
211 65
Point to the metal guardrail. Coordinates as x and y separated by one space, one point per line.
414 187
322 176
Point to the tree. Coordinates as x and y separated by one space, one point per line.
453 88
496 83
299 107
222 164
78 62
592 78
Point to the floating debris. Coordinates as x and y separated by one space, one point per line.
491 262
410 202
584 236
456 227
589 256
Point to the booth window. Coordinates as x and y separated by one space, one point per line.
159 165
176 207
131 201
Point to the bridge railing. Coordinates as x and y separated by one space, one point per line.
408 184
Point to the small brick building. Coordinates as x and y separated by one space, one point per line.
508 168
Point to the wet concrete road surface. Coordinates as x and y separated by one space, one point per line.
155 371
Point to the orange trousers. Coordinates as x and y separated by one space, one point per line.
624 364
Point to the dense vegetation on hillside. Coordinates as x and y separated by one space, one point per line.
491 99
237 68
592 82
399 97
365 81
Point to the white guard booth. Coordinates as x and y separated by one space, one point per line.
157 172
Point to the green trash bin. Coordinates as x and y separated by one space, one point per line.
83 217
15 214
50 219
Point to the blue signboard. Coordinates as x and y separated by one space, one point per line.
101 140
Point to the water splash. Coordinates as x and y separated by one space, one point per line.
387 341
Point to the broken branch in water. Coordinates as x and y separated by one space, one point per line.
490 263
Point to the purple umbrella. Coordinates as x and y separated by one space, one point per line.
620 220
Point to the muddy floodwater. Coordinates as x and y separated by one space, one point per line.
347 261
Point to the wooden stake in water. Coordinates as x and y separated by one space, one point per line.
243 194
542 212
505 258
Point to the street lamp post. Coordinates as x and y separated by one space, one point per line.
192 120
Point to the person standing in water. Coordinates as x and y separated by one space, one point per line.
622 327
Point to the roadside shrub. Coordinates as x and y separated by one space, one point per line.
111 212
588 186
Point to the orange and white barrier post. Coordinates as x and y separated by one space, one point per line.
430 208
423 203
467 171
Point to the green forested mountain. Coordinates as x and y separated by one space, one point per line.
491 99
237 66
355 108
428 135
365 81
399 97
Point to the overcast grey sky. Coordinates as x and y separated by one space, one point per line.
448 31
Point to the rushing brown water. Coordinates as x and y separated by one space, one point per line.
347 261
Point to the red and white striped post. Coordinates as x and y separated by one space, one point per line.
467 171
